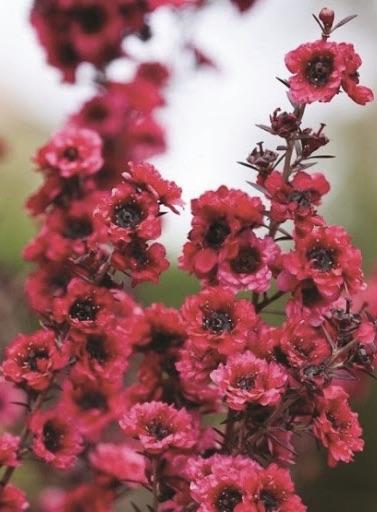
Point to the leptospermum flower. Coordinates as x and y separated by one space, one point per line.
201 404
159 427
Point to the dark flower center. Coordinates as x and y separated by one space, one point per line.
71 153
91 19
216 233
303 198
95 346
158 430
245 382
310 294
322 258
139 252
33 356
77 229
83 310
163 340
96 112
228 499
217 321
319 69
92 399
67 55
127 215
52 437
270 501
247 262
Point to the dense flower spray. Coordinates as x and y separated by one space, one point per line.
122 397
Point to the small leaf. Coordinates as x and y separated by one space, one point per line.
257 187
248 165
284 82
319 156
135 507
344 21
306 166
319 22
265 128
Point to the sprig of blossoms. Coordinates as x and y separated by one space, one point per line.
123 396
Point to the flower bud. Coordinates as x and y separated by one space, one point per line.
327 17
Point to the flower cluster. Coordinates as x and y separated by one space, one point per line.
123 396
93 31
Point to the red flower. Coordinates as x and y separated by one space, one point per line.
140 261
71 152
46 283
127 213
217 218
85 306
326 257
350 82
87 498
56 438
321 69
159 427
119 463
91 401
66 233
9 446
318 71
215 319
164 329
302 344
103 352
337 427
246 379
297 198
12 499
195 366
145 176
31 360
274 490
248 264
222 483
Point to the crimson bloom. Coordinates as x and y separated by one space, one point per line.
337 427
246 379
297 198
218 217
31 360
249 263
321 68
9 446
56 438
326 257
70 152
159 427
215 319
12 499
118 463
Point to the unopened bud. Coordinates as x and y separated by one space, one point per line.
327 17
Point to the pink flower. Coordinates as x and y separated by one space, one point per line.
159 427
12 499
71 152
9 446
248 264
317 71
118 462
56 439
337 427
246 379
31 360
214 318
